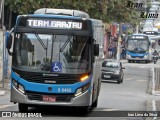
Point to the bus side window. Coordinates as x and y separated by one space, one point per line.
24 52
17 49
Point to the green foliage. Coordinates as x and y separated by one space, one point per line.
106 10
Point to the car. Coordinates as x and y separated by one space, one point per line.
112 70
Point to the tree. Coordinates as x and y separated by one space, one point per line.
106 10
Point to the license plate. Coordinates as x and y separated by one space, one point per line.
107 76
49 98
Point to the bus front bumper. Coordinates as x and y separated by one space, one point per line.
138 59
81 100
128 57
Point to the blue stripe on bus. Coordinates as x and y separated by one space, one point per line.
137 54
39 87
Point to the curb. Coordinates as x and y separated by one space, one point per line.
149 108
151 104
4 90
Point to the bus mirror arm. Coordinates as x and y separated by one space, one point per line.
8 39
9 52
96 49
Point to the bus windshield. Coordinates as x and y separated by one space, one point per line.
41 52
138 45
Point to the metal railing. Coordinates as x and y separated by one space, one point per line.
157 78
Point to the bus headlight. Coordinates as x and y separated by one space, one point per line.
82 89
18 86
15 83
78 92
21 88
129 56
145 56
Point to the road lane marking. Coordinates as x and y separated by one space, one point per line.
142 66
105 109
4 106
141 80
109 109
129 78
154 108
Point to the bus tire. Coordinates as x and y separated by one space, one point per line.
85 110
129 61
22 107
147 61
95 104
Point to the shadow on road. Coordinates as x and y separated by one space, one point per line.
56 111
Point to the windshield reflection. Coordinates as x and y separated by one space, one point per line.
138 45
41 53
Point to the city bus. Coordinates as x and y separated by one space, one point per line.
138 48
55 59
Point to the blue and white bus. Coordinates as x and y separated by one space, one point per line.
55 59
138 48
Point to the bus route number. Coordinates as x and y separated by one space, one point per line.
64 90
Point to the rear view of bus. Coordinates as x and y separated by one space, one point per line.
55 60
138 48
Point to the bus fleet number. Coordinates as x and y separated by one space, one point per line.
65 90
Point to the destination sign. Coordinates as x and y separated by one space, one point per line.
137 37
150 32
56 24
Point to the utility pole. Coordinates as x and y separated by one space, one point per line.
137 29
119 42
2 42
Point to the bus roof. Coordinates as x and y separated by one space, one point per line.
51 16
67 12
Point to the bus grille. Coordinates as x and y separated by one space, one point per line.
137 56
39 97
40 78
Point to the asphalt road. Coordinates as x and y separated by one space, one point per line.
131 95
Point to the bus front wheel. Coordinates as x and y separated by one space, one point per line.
85 109
22 107
95 103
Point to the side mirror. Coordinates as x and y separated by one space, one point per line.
96 49
123 68
8 40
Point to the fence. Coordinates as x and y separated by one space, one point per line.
157 78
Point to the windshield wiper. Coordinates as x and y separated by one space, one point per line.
65 44
41 42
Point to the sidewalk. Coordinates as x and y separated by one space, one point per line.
6 88
154 90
